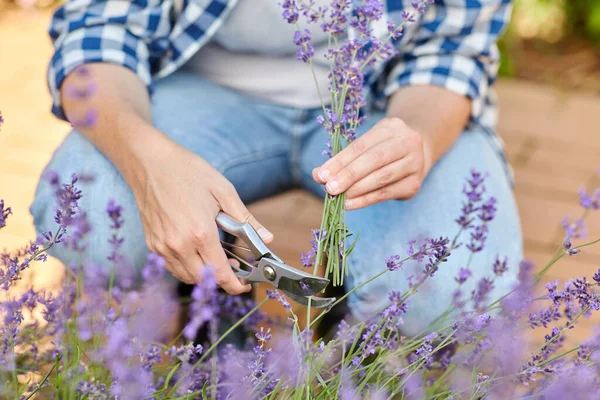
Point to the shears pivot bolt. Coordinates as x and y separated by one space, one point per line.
269 273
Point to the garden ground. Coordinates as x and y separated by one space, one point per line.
551 136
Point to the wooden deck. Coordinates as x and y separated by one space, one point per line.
553 141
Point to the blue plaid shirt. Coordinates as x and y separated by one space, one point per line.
453 45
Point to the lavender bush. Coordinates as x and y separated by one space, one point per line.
107 332
100 336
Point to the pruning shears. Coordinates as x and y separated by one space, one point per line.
267 267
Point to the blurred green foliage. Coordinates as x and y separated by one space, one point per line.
549 21
583 18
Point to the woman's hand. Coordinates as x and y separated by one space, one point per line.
388 162
178 195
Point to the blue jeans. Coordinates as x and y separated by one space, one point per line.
265 149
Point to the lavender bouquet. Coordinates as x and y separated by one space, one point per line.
349 59
105 335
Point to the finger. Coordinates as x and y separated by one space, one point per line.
354 150
401 190
213 255
180 271
383 153
191 261
174 262
382 177
233 261
230 202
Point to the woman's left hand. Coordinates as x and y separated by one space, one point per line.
388 162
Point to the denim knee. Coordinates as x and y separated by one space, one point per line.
76 155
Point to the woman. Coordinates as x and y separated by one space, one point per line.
231 119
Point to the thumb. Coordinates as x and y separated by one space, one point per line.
233 205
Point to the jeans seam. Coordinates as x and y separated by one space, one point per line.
250 158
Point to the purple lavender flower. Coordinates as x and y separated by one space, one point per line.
152 355
308 258
474 191
4 213
345 333
425 351
186 352
305 51
337 19
580 290
130 379
488 210
154 269
438 253
395 33
281 299
588 201
478 238
596 277
393 313
79 228
92 390
500 266
202 307
291 11
363 15
68 196
544 317
393 263
480 295
579 382
91 309
236 307
575 229
258 376
313 14
114 212
327 151
463 275
373 339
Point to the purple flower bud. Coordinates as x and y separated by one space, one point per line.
4 213
393 262
500 267
463 275
567 244
597 277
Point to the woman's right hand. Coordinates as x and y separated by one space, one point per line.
178 195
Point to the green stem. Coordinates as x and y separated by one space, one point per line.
348 294
564 353
233 327
41 384
35 255
223 336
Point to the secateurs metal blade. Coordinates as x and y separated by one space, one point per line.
297 285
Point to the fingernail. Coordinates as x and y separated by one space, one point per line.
324 174
264 233
332 185
348 203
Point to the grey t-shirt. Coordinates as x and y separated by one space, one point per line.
253 52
